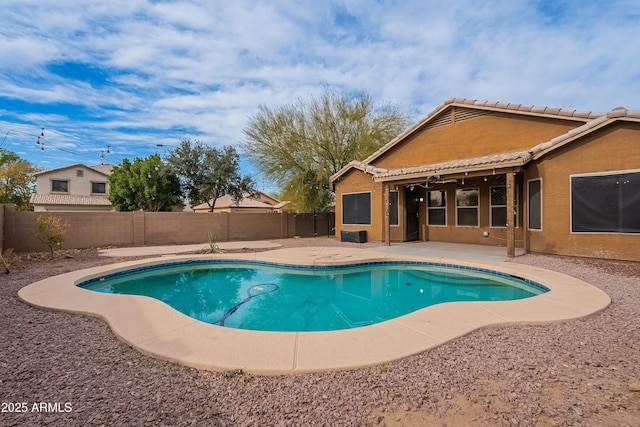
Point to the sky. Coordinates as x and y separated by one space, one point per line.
118 79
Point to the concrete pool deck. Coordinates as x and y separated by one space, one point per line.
156 329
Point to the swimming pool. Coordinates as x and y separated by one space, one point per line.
156 329
286 298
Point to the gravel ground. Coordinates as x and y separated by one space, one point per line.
64 369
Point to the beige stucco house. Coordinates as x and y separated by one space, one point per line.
549 180
74 188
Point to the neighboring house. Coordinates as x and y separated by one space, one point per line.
549 180
73 188
258 202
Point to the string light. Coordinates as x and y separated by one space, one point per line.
67 143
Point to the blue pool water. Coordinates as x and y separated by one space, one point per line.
270 297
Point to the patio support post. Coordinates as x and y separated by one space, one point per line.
511 219
387 219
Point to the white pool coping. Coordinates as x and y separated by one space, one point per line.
156 329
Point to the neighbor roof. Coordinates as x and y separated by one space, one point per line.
227 202
67 200
103 169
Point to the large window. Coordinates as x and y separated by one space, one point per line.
606 203
535 204
498 205
437 207
99 187
356 208
59 186
393 208
467 207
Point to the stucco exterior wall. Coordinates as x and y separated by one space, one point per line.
615 148
78 186
357 182
479 136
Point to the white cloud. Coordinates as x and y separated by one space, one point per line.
200 68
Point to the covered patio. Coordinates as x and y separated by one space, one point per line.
425 190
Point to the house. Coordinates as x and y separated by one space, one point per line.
73 188
257 202
550 180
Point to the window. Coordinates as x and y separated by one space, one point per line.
437 208
467 207
535 204
99 187
393 208
606 203
59 186
498 206
80 173
356 208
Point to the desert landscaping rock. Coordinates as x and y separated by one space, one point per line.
579 373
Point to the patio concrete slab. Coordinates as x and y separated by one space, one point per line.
449 250
158 330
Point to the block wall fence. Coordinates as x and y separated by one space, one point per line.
134 229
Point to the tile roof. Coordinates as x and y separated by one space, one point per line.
592 121
364 167
554 111
104 169
483 162
68 200
619 113
530 110
227 202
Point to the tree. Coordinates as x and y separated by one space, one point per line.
207 173
146 184
17 180
300 146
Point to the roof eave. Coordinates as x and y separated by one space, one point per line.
575 134
454 171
